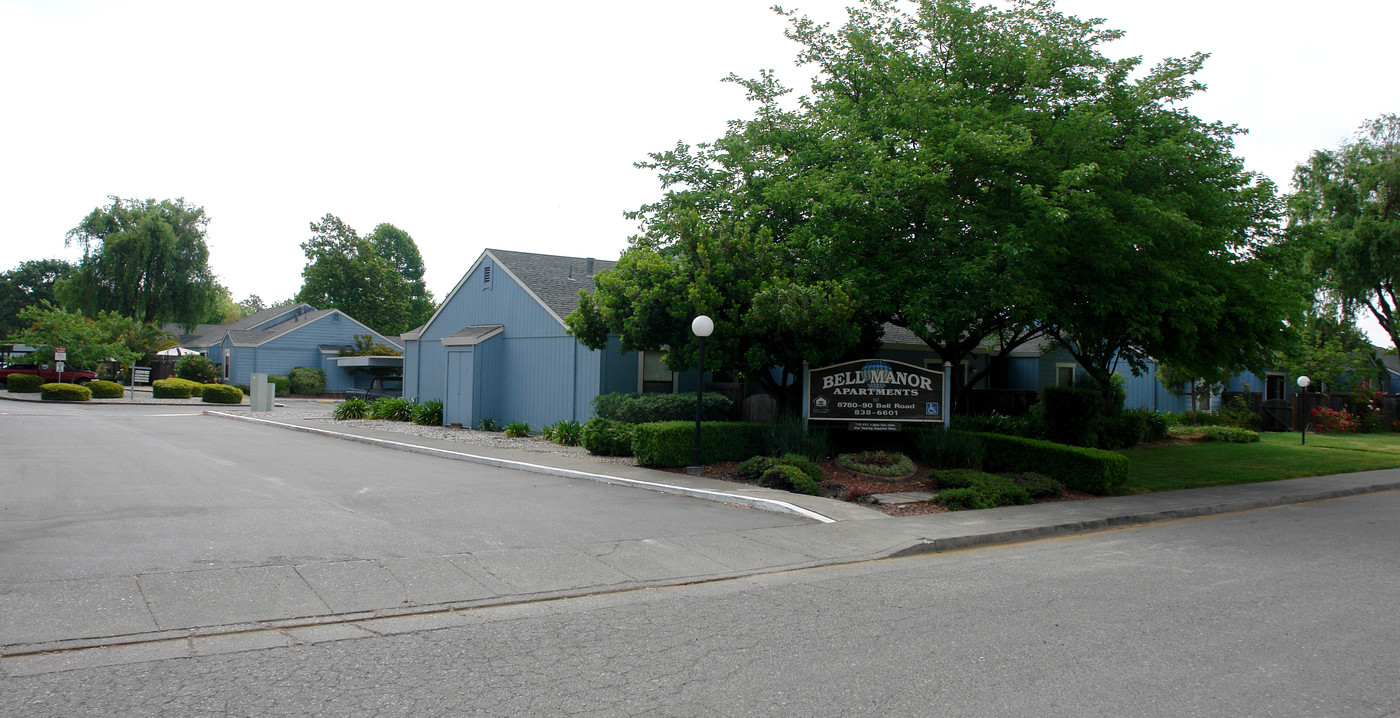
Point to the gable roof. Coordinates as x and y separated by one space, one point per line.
205 335
253 338
552 280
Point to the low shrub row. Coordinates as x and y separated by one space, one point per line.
1229 434
1093 470
671 443
427 413
647 408
963 489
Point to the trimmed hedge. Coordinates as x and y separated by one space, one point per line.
604 437
647 408
106 389
672 443
1092 470
281 385
307 381
222 394
24 383
172 389
63 391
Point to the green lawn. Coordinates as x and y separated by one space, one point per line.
1276 456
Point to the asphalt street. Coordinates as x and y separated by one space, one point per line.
1285 611
120 490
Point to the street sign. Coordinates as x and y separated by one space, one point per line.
60 354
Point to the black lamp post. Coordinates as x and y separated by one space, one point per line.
702 326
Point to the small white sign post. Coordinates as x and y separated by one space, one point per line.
60 355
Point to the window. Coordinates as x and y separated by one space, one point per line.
1273 387
1064 375
656 376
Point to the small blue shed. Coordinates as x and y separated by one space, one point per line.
497 347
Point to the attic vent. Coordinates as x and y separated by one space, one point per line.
335 317
486 273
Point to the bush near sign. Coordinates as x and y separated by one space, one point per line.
874 394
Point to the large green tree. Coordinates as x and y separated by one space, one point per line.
376 279
1345 209
143 259
984 174
89 341
764 319
28 285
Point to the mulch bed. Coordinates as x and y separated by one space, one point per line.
846 485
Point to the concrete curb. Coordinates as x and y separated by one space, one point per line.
1138 518
752 502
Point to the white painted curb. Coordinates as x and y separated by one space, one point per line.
749 501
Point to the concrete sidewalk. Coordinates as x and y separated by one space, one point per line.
65 625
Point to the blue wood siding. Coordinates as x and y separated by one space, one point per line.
533 371
301 348
1023 373
619 371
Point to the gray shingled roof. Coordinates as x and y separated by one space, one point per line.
257 318
245 337
555 280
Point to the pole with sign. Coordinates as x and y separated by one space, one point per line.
60 355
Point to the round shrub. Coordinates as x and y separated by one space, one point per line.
106 390
222 394
171 389
807 466
307 381
197 368
64 392
754 468
24 383
607 438
787 477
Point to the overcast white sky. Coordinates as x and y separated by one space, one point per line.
511 125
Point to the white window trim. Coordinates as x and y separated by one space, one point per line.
1065 365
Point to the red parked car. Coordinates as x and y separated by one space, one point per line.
72 376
